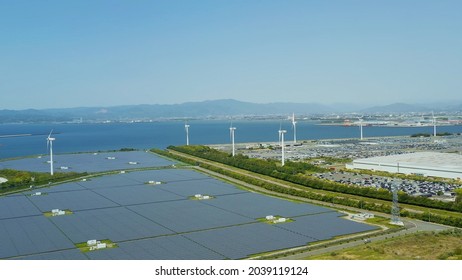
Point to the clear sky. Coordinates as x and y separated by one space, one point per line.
102 53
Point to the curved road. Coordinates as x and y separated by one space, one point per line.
411 226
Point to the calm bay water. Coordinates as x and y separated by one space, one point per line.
113 136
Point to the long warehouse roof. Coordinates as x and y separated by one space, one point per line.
421 159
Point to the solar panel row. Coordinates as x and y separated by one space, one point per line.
158 221
116 224
30 235
188 215
325 226
241 241
17 206
169 247
88 162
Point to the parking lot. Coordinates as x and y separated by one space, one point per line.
349 148
443 191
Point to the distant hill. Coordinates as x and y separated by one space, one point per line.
209 108
397 108
215 108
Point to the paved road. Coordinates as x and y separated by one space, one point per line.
411 226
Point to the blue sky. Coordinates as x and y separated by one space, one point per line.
102 53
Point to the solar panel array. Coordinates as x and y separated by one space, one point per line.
149 221
139 194
167 247
240 241
88 162
256 206
326 226
17 206
188 215
71 254
30 235
74 200
116 224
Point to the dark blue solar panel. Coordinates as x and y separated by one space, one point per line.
204 186
116 224
166 175
72 254
325 226
241 241
160 248
88 162
112 181
30 235
254 206
17 206
157 221
75 200
188 215
66 187
137 194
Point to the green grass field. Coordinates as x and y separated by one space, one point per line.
445 245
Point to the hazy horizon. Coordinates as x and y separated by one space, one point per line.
430 106
67 54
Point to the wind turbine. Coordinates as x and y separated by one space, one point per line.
281 137
50 146
231 131
434 124
361 126
186 127
295 129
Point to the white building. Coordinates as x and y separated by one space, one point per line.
101 246
445 165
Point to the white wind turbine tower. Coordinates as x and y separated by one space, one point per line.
361 126
294 127
186 127
50 146
281 137
434 124
231 131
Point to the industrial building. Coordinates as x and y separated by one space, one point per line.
434 164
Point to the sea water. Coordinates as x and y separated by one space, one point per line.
88 137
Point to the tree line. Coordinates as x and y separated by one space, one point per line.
296 172
18 180
357 203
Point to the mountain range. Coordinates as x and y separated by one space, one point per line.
204 109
